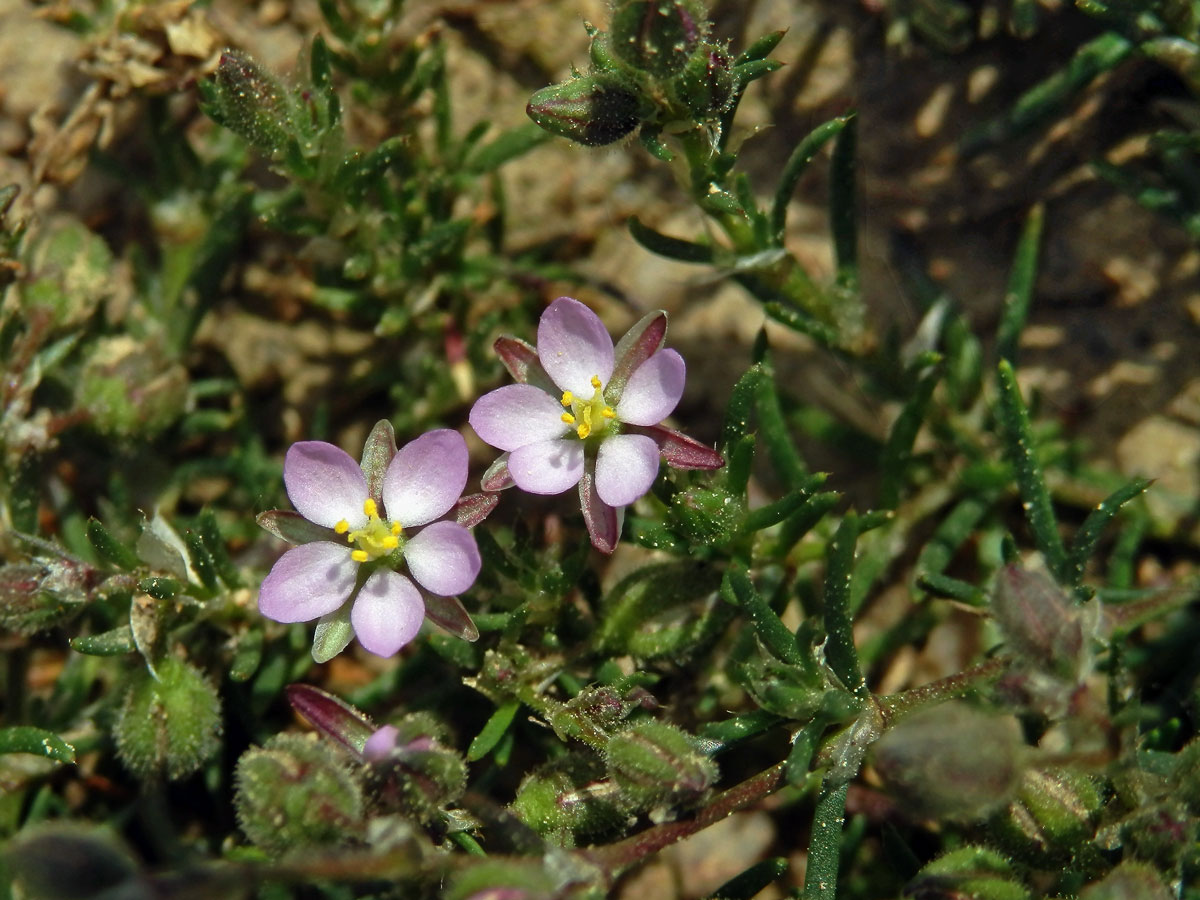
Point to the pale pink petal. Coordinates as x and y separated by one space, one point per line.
308 582
653 390
516 415
325 484
443 558
547 467
381 743
573 345
626 466
387 612
425 477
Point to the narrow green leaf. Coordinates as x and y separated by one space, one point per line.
202 561
739 728
802 322
896 458
670 247
752 881
772 513
738 590
1020 287
804 745
762 47
754 69
739 415
843 204
806 518
247 655
781 449
109 547
1084 543
116 642
38 741
952 589
1018 440
24 494
953 531
214 543
740 460
507 146
160 587
839 571
796 165
493 730
825 842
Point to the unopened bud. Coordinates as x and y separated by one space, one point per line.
952 761
591 109
130 389
975 872
569 802
296 793
1040 622
495 879
655 764
706 85
706 515
657 36
411 769
1052 815
1128 881
70 272
250 101
170 721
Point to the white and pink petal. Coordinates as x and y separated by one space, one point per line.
626 467
387 613
547 467
425 478
325 484
308 582
653 390
443 558
516 415
573 346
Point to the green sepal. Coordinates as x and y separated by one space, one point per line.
115 642
109 548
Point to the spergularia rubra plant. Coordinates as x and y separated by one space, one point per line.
362 528
588 414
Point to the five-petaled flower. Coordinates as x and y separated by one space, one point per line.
363 526
587 413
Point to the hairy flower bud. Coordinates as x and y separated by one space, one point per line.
170 721
951 761
568 802
706 85
496 879
657 36
655 764
130 389
1041 624
593 110
1052 815
70 272
250 101
1128 881
975 872
295 793
412 771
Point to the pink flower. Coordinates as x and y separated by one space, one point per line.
588 414
357 539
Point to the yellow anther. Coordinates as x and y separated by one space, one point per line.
608 413
370 508
567 398
359 555
391 542
583 431
342 527
596 383
396 529
568 418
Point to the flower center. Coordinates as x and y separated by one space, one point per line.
375 539
588 416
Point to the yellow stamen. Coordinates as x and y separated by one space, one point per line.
596 382
586 427
391 542
342 527
567 398
359 555
608 413
370 508
568 418
396 529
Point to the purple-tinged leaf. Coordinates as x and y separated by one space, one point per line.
472 509
603 521
640 342
680 451
377 454
333 717
521 360
451 615
294 528
497 478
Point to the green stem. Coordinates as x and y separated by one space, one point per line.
825 843
896 706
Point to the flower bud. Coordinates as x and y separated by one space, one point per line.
706 85
70 272
655 764
952 761
657 36
568 802
130 389
250 101
168 724
1052 815
412 771
296 793
496 879
1128 881
593 110
975 872
1041 624
37 597
706 515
